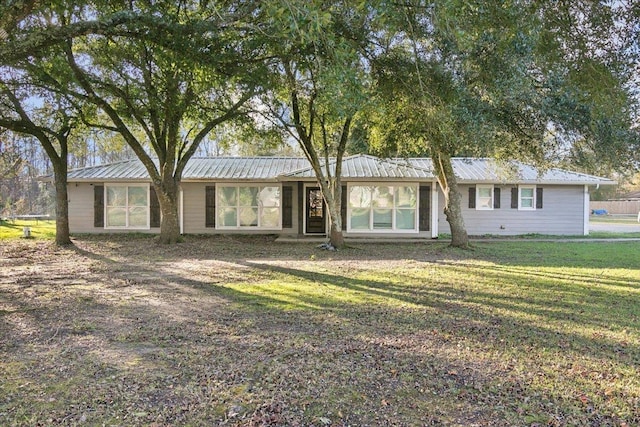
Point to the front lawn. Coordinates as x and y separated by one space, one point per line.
244 331
40 229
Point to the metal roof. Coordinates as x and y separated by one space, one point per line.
359 167
242 168
364 166
510 171
125 170
200 168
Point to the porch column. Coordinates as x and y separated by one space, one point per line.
587 211
434 210
181 210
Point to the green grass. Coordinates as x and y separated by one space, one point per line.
613 235
39 229
545 332
511 333
614 219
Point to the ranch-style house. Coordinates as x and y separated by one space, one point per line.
381 198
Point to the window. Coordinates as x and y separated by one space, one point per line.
527 198
248 206
127 206
382 207
484 197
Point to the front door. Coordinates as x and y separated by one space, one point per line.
316 217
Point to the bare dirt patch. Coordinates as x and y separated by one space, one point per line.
120 331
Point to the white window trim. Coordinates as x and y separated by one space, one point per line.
127 226
248 227
491 191
533 201
393 228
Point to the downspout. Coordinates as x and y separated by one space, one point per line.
585 230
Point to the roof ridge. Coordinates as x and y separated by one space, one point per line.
247 157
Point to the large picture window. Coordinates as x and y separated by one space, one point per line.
382 207
248 206
127 206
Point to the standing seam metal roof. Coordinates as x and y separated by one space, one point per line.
354 167
369 167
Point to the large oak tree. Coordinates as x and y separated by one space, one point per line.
499 79
163 75
165 94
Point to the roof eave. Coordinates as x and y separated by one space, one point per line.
536 182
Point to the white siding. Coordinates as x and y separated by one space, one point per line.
80 197
562 213
81 211
81 208
194 212
194 208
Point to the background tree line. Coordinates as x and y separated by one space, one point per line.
550 82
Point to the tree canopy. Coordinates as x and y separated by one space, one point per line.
546 82
503 80
317 84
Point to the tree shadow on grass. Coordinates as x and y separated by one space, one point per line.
493 314
8 224
200 339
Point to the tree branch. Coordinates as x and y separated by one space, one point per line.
229 114
112 113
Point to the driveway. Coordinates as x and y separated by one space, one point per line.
625 227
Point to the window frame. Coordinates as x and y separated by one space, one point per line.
126 186
238 206
533 198
394 208
490 187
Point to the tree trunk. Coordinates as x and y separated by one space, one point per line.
335 219
336 238
453 212
452 207
170 223
332 194
62 204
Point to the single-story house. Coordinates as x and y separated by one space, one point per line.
381 198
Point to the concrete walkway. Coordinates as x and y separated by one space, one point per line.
615 228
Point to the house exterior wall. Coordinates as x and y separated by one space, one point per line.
562 213
193 204
80 198
193 198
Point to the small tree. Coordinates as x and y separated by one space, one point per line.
52 127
